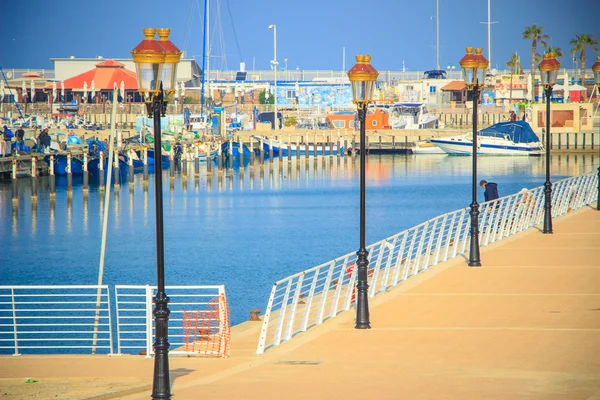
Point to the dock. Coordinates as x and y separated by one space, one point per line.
523 326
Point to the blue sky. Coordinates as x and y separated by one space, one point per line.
310 33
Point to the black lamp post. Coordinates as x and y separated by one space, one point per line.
596 69
473 67
156 64
548 70
362 77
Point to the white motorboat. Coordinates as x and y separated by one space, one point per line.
411 116
427 147
503 138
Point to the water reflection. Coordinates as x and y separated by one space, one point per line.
247 217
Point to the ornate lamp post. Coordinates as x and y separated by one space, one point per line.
548 70
596 69
156 64
473 67
362 77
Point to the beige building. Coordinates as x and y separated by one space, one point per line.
65 68
564 118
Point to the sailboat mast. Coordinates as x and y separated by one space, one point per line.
489 26
437 34
204 58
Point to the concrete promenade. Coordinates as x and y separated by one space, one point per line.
524 326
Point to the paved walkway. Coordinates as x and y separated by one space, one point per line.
524 326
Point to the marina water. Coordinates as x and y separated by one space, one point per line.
244 229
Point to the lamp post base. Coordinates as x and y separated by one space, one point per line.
474 257
362 290
547 208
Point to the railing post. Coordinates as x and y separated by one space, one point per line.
149 321
15 329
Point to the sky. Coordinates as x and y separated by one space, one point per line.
311 34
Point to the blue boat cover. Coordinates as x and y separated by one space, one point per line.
517 131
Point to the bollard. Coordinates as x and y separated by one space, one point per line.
145 161
51 173
101 170
69 174
15 185
85 172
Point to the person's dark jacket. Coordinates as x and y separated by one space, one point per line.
45 140
491 191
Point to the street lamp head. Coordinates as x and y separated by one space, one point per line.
549 70
149 58
362 77
596 69
172 57
481 67
469 64
272 26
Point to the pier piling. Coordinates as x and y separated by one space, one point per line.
69 173
130 167
101 170
117 174
52 180
145 161
85 172
15 184
171 164
33 178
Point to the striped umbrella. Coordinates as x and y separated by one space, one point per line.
93 90
62 91
32 87
53 91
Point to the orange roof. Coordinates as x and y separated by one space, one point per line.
454 86
105 75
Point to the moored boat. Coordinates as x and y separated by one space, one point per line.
504 138
282 148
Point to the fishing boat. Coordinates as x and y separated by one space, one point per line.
231 149
60 164
282 148
504 138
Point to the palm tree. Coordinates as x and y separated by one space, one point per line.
515 66
557 51
535 34
579 44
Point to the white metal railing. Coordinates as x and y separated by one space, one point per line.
308 298
135 322
42 319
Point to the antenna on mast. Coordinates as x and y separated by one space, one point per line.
489 34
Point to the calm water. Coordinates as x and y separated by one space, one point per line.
243 231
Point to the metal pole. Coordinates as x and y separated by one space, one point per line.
474 259
161 387
548 185
362 305
276 118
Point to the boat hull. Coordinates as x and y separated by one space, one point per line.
60 165
283 148
461 146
